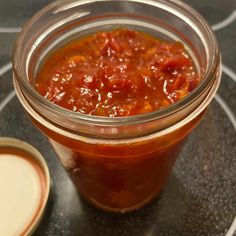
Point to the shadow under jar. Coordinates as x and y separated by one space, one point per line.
120 163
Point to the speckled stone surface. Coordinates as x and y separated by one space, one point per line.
200 198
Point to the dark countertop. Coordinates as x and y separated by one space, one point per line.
200 198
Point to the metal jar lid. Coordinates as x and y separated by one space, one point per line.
24 187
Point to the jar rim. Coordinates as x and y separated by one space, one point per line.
206 80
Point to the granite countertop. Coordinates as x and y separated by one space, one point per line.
200 198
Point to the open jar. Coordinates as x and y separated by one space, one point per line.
121 163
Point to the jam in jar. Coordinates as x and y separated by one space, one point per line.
116 86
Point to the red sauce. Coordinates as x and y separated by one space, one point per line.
117 73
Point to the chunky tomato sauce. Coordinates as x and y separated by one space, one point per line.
117 73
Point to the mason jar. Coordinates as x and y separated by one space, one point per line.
118 164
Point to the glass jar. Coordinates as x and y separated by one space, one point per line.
118 164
